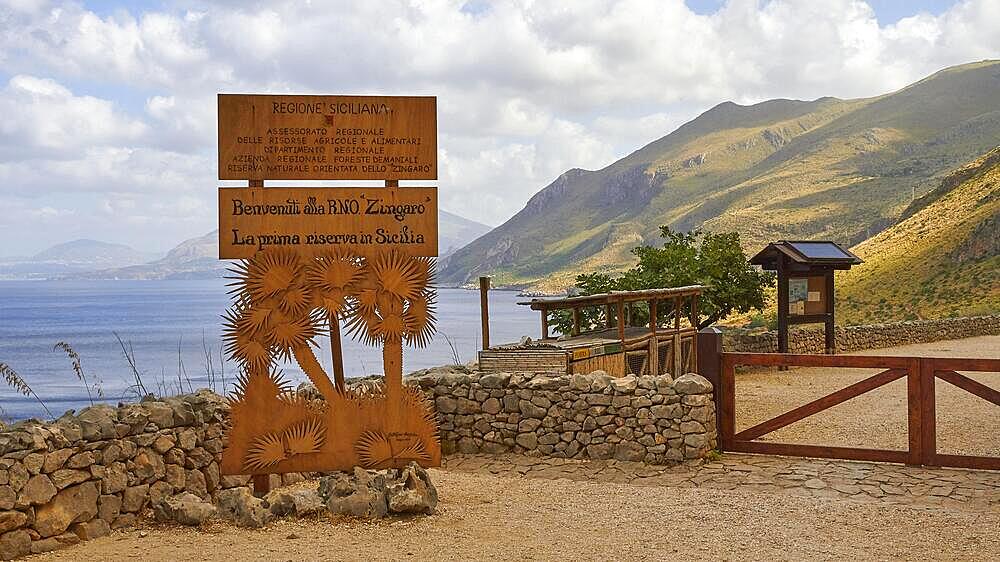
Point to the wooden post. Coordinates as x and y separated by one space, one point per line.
782 307
545 324
484 309
678 356
261 482
576 321
261 485
336 353
830 334
727 404
621 322
928 413
914 407
654 347
694 322
710 363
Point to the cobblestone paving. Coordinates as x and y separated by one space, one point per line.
858 481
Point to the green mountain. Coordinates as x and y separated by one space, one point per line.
828 168
942 259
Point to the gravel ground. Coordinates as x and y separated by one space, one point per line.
485 517
967 424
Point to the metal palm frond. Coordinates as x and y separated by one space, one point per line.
419 320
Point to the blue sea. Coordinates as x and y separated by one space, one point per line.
170 326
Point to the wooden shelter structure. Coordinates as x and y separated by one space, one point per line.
638 332
805 283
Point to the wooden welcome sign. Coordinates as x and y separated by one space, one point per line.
313 259
276 137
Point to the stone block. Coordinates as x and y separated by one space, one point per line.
135 498
65 477
600 451
93 529
692 383
39 490
15 544
71 505
109 507
10 520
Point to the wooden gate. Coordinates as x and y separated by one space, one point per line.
921 375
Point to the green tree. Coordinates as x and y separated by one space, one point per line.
716 261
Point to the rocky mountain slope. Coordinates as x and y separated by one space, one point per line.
827 168
455 231
941 260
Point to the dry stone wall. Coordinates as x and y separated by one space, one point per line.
656 419
871 336
83 475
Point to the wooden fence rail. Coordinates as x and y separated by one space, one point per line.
921 375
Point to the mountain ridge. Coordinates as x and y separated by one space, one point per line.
825 168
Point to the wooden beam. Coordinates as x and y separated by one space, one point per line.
806 360
970 385
820 404
965 364
968 461
484 309
819 451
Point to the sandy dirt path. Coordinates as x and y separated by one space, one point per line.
487 517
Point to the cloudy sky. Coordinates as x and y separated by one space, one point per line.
107 109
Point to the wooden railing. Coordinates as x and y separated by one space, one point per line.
921 375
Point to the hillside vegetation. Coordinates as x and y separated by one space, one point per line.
942 259
829 168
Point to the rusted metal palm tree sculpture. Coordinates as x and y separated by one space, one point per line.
394 304
282 303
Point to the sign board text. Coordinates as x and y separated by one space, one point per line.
275 137
313 220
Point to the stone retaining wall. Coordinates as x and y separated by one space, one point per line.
82 475
857 338
655 419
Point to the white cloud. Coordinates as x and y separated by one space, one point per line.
525 89
42 117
